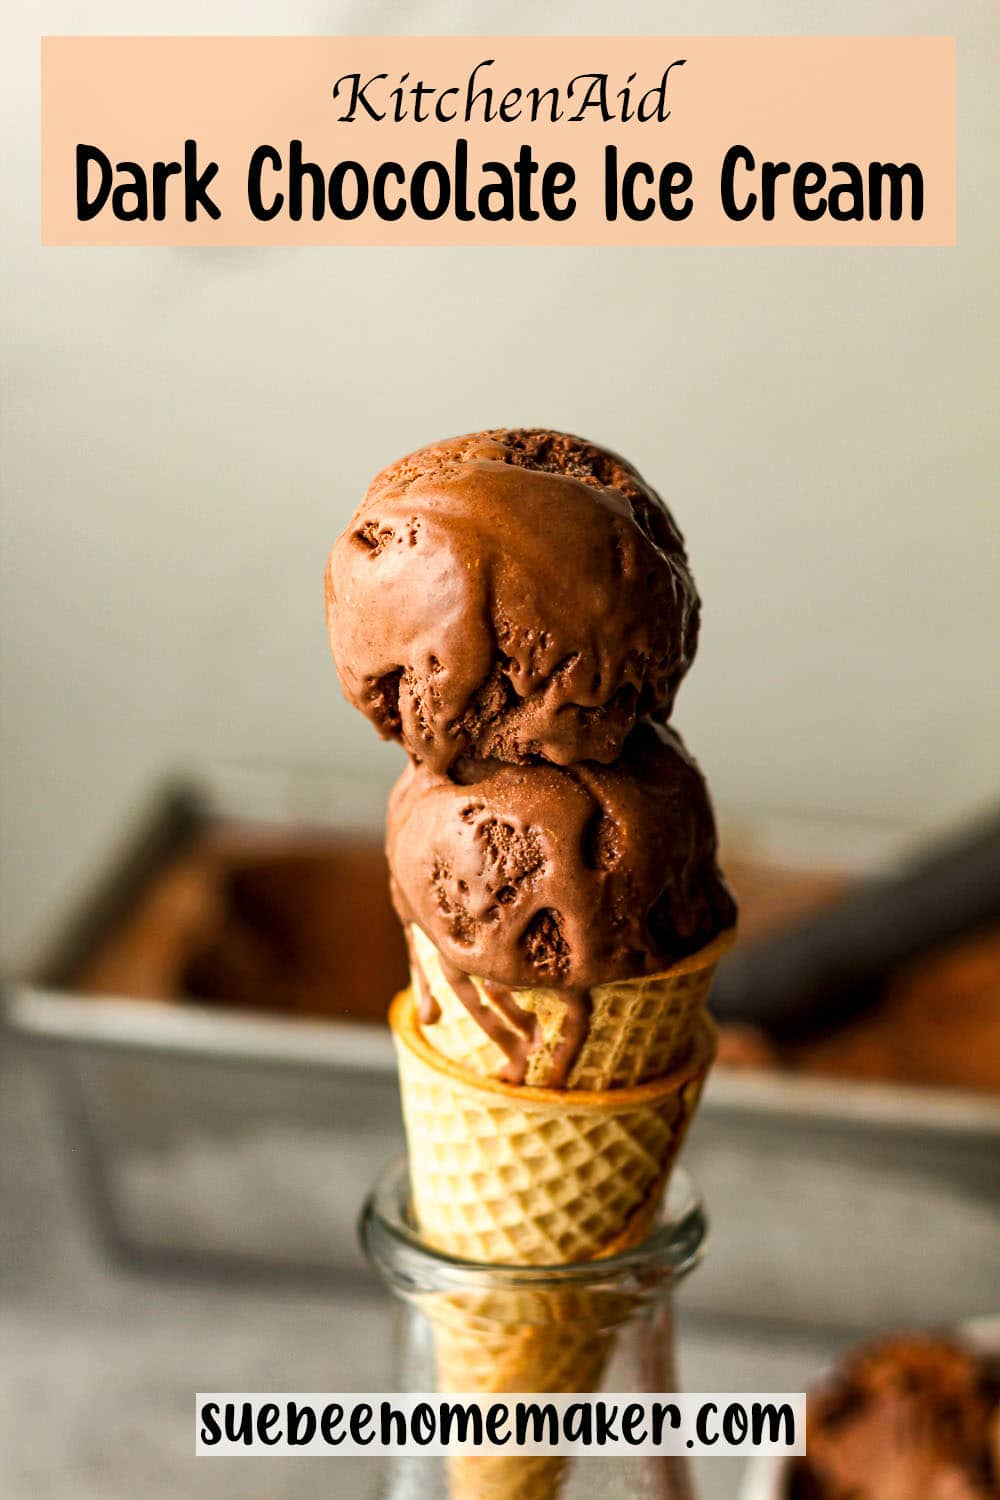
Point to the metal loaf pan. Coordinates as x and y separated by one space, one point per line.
244 1143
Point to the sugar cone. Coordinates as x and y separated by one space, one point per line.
527 1176
638 1029
511 1342
508 1174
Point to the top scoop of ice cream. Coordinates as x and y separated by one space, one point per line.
514 594
568 878
913 1416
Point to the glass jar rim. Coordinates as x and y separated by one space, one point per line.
411 1266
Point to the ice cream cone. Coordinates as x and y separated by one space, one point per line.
638 1029
550 826
501 1478
508 1342
509 1174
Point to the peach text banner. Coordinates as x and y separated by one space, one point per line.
790 105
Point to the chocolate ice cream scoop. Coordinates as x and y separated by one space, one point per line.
910 1417
561 877
513 594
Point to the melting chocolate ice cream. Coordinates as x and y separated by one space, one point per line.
561 877
517 595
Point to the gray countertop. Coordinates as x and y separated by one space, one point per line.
101 1363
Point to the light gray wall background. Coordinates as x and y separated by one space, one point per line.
185 432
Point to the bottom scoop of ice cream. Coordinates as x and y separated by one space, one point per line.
566 877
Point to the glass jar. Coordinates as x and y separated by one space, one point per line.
601 1325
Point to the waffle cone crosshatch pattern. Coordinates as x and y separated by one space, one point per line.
499 1330
501 1173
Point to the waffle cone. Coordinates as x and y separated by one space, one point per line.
507 1342
498 1478
527 1176
639 1029
508 1174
